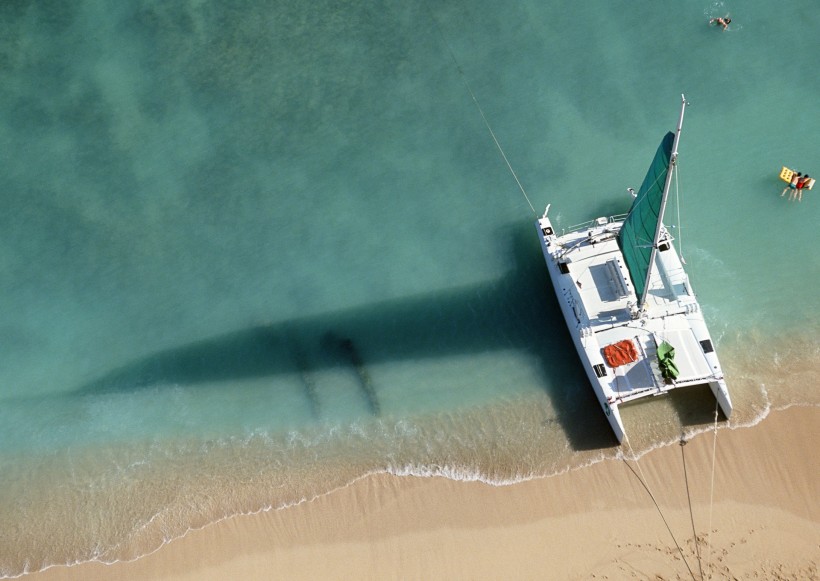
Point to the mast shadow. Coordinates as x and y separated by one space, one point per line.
518 311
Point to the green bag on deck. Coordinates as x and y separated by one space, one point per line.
666 361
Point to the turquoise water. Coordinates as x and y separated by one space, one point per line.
251 252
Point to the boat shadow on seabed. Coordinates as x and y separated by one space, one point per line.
518 311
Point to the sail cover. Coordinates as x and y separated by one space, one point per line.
666 361
638 232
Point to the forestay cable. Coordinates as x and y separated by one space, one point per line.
481 111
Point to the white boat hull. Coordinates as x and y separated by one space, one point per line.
598 302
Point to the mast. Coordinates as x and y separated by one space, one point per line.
667 184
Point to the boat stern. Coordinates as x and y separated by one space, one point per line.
721 393
613 416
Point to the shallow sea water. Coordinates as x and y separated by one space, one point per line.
251 252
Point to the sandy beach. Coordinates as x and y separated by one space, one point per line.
765 522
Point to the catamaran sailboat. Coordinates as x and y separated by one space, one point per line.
627 301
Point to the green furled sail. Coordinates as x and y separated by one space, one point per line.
638 231
666 361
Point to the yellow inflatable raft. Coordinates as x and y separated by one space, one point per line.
786 175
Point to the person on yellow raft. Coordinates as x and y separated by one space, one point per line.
797 183
805 183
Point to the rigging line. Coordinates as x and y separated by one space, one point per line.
689 500
680 228
645 483
498 145
480 110
712 493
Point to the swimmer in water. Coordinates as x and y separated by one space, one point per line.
721 21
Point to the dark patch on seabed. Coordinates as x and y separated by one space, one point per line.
347 348
300 358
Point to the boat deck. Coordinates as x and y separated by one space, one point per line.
605 302
633 346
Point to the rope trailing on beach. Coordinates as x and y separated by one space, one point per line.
480 110
689 500
645 483
712 494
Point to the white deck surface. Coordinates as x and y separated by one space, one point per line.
607 300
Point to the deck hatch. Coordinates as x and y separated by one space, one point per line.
706 345
600 370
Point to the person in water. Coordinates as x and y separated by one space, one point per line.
792 185
801 185
721 21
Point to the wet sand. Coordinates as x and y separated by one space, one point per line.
594 522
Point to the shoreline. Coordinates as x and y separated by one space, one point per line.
597 520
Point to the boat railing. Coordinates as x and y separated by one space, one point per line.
603 221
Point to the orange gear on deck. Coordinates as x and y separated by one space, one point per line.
620 353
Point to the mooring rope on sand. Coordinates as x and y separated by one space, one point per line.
712 494
642 479
689 500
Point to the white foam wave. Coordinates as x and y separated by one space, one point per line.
460 473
